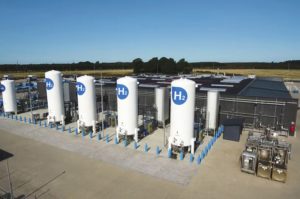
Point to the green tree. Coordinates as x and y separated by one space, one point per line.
138 65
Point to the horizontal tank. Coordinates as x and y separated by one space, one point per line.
182 113
55 96
212 109
162 103
127 104
8 90
86 101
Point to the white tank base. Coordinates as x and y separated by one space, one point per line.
122 131
191 145
52 120
80 125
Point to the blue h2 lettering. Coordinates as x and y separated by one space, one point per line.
179 95
49 84
122 91
80 88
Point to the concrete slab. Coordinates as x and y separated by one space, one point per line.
147 163
88 176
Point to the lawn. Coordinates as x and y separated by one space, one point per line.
105 73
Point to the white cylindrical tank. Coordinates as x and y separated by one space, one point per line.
9 96
212 109
127 103
86 101
182 113
55 96
162 104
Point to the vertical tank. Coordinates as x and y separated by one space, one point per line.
162 104
212 109
86 102
127 104
182 113
55 97
9 96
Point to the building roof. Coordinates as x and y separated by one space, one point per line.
266 88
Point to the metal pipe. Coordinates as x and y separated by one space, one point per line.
102 107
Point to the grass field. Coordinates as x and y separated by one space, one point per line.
109 72
286 74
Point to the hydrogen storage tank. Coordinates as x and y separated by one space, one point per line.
86 94
127 104
212 110
8 90
182 114
55 97
162 104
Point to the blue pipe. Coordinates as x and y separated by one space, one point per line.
157 150
191 158
169 153
181 155
199 159
107 138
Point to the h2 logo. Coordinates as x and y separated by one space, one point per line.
49 84
122 91
80 88
2 88
179 95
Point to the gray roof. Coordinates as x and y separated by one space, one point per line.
266 88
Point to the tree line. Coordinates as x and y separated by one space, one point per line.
163 65
154 65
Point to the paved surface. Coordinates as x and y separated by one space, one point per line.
42 154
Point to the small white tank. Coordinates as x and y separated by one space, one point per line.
127 103
9 96
162 104
55 97
212 109
182 113
86 102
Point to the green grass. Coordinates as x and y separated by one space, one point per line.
40 74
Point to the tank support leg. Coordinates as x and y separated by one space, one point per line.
94 128
78 126
193 145
136 135
169 144
117 134
63 120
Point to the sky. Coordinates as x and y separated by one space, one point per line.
66 31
